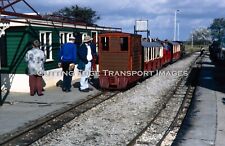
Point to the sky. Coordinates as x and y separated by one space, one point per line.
159 13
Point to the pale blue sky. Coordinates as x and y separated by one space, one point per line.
160 13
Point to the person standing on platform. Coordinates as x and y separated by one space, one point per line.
86 53
202 50
35 58
68 58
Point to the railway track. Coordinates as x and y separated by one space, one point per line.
163 127
41 127
28 134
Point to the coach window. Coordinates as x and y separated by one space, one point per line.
157 52
45 38
124 43
161 51
105 43
146 54
153 50
150 53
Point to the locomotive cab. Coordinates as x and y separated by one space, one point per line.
119 55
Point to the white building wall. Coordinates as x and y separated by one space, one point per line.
20 82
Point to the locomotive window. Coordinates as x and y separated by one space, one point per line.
124 43
105 43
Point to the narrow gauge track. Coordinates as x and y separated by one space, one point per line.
37 129
41 127
162 129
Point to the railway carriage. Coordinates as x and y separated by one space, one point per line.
152 55
119 54
175 50
167 53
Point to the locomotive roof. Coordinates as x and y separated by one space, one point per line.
151 44
117 33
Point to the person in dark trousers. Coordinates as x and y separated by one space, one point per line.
68 57
86 53
35 58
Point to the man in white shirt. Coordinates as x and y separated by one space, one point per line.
86 53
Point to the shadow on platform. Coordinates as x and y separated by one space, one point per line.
211 78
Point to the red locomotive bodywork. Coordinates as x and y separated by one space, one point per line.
119 53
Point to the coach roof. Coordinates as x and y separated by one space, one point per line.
151 44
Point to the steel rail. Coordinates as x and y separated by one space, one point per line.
37 129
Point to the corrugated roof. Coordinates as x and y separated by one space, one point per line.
151 44
174 43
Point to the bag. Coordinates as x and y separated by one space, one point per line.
59 83
71 66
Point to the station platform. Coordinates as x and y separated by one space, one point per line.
20 109
204 124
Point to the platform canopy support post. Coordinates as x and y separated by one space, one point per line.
1 100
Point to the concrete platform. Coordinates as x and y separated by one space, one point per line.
21 108
205 123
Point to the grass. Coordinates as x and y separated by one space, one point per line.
195 48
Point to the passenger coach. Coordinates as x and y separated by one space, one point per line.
152 55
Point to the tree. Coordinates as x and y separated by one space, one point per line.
80 14
217 28
201 36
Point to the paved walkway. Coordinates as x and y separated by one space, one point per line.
205 122
21 108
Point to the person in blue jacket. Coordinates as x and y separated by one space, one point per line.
86 53
68 58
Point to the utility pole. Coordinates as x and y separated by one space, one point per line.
178 31
175 25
